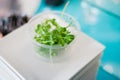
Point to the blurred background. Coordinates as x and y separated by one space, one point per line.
99 19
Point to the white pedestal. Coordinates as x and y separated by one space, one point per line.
82 64
7 72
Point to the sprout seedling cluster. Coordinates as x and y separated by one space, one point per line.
51 33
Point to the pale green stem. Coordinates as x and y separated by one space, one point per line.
50 51
65 7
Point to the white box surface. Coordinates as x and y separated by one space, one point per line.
17 49
7 72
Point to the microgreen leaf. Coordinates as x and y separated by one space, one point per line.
58 36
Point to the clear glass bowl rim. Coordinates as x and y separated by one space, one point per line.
55 12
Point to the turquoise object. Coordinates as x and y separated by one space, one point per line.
101 23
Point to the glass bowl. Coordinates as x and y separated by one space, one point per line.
47 52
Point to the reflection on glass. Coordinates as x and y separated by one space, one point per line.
116 1
108 68
90 13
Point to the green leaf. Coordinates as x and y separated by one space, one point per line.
58 36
